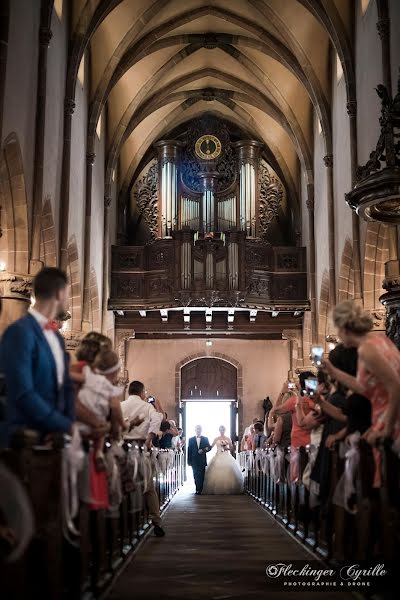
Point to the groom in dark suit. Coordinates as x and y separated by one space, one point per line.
197 459
39 393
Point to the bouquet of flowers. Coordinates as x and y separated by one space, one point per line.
224 446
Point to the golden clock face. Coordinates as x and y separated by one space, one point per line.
208 147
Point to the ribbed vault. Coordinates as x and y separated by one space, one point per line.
261 64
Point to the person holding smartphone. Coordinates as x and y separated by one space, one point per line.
299 436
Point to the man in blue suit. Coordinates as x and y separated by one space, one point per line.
35 364
197 448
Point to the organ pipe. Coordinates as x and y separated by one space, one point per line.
248 157
168 154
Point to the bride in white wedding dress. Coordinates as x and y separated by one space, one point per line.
223 474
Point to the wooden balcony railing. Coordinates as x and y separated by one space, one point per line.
242 271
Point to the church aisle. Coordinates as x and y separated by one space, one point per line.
217 547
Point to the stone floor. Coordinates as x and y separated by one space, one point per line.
216 548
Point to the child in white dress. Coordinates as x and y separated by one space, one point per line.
101 396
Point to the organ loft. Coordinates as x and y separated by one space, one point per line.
209 239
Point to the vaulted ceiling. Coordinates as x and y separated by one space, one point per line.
261 64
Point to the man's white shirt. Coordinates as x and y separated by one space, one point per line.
54 343
133 407
198 439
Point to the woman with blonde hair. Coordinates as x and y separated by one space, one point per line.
378 372
281 426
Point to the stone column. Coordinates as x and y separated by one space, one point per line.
248 153
90 158
69 108
358 287
313 285
4 24
168 156
383 27
328 161
45 36
15 294
106 264
122 339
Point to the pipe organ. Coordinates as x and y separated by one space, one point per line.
207 192
227 214
190 213
211 203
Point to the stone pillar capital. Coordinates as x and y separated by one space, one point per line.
383 27
69 106
45 35
90 158
352 108
310 196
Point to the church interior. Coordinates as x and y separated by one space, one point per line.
214 177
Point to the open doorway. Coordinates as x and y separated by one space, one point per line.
210 415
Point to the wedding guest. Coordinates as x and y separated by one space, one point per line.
137 406
259 439
281 426
378 373
169 432
246 443
89 347
299 435
100 394
35 364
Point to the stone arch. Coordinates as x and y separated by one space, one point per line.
218 355
74 275
14 204
375 255
94 304
48 250
323 310
346 275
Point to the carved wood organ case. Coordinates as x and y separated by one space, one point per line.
207 202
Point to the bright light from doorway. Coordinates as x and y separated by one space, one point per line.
210 415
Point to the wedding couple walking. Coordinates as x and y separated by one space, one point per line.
223 475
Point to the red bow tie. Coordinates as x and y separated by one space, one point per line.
51 326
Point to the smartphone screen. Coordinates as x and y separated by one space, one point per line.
317 353
311 386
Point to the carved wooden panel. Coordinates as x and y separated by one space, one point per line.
129 258
127 286
259 286
158 287
258 255
290 259
160 255
288 288
209 378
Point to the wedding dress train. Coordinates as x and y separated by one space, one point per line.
223 474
